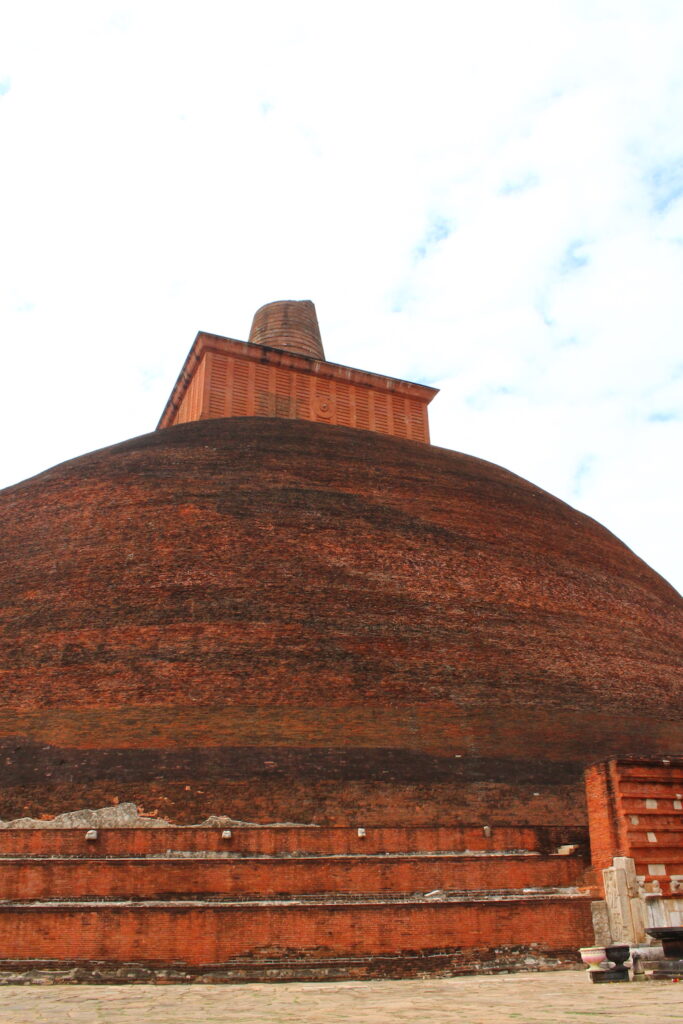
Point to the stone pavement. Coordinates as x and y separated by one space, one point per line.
552 998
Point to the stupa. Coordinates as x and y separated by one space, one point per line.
285 606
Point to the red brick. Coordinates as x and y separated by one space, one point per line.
279 620
208 934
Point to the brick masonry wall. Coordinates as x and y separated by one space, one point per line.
635 809
278 841
602 819
209 934
285 621
292 326
147 879
227 384
194 400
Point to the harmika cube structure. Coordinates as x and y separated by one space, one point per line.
333 689
282 372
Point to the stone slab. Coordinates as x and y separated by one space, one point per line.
549 998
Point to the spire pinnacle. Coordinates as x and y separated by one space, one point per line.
288 325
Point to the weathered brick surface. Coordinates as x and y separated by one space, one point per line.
214 934
281 620
292 326
154 878
603 822
280 841
224 378
164 874
635 809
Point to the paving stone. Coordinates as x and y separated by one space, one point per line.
551 998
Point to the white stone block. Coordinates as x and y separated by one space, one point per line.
638 919
600 917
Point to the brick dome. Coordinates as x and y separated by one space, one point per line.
288 621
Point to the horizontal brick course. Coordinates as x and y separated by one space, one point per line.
633 812
279 840
64 879
215 934
281 620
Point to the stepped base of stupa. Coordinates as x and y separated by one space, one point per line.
287 902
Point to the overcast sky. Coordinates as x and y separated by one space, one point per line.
485 196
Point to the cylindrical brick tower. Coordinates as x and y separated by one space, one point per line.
291 326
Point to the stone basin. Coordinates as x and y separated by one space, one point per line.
593 955
671 939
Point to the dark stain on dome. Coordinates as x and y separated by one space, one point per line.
381 587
